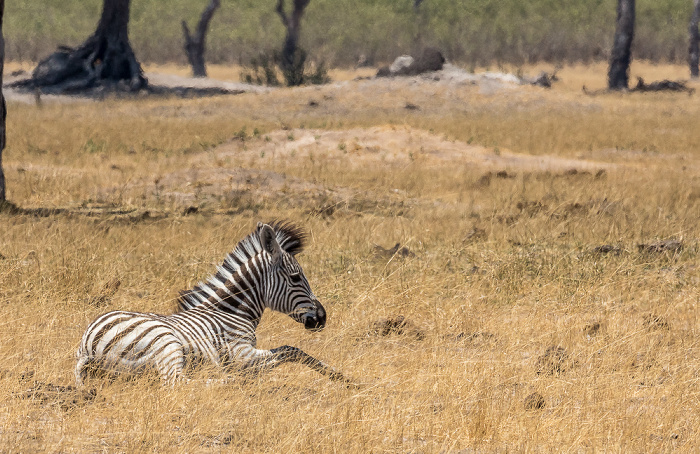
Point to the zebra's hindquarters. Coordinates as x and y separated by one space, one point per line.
119 341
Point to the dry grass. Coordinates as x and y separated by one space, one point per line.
505 268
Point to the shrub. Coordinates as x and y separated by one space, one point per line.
262 70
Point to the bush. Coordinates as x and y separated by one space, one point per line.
262 70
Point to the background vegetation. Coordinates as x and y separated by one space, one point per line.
339 31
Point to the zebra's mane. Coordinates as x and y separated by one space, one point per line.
290 237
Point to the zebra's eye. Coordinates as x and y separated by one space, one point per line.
295 278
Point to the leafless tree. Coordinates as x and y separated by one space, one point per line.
3 110
620 57
194 44
292 59
106 57
694 38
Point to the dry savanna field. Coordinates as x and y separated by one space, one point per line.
543 297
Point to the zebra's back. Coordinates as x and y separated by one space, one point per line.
122 341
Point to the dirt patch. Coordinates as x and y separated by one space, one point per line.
171 81
604 249
673 246
232 187
67 397
230 176
105 294
398 325
553 361
397 250
534 401
592 329
393 146
474 338
239 189
656 322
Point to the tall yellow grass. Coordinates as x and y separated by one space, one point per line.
504 269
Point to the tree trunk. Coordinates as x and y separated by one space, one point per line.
694 45
105 58
292 59
618 73
3 110
194 45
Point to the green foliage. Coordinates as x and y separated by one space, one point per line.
319 76
94 146
294 73
339 31
301 71
262 70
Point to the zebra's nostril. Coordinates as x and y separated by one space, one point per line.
315 318
314 324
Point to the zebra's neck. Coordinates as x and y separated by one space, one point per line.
289 237
240 293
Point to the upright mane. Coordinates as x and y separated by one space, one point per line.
290 237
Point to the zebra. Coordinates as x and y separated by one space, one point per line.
216 320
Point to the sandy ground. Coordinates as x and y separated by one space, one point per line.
216 177
450 75
395 146
171 80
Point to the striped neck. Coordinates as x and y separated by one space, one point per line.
237 265
242 293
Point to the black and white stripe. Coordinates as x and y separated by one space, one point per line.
217 319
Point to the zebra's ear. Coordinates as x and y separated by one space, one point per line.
268 240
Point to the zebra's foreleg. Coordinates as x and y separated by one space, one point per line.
289 354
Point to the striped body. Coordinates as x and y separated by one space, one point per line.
217 319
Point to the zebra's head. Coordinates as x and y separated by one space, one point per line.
287 289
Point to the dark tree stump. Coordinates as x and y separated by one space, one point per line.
694 41
3 110
194 44
292 58
620 58
430 59
105 58
662 85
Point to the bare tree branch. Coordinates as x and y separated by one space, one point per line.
620 57
694 41
280 11
195 45
3 112
292 59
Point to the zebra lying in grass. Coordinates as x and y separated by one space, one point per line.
217 319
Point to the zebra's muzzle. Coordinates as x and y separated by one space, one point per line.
315 320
